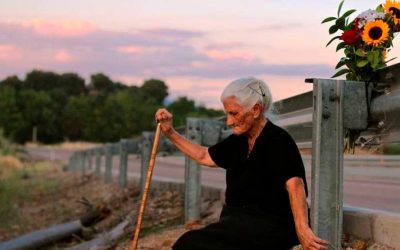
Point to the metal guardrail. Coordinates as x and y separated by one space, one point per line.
315 119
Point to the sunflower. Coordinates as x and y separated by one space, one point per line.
393 7
375 32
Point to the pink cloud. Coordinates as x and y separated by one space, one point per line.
62 56
60 28
6 48
131 49
8 52
229 55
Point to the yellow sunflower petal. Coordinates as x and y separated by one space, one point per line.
375 32
393 7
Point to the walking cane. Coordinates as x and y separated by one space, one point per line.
146 188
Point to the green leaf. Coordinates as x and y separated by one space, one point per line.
340 23
348 13
340 8
390 60
340 46
375 59
362 63
382 66
328 19
370 56
348 52
336 37
333 29
351 64
361 53
341 72
380 8
341 63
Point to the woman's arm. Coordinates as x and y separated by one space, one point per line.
194 151
298 203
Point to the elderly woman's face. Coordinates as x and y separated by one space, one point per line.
237 117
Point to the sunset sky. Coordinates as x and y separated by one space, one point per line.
196 47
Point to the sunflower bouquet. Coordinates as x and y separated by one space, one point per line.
365 40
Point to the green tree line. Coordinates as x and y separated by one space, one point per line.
62 107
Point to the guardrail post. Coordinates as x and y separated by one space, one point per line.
78 161
71 162
327 161
98 152
90 158
109 157
192 173
145 156
123 163
337 105
82 162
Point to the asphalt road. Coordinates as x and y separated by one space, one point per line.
376 187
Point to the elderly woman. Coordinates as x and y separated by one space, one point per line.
265 200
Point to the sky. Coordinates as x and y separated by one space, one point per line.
196 47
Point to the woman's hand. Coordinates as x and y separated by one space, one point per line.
164 117
309 240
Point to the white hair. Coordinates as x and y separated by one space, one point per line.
249 91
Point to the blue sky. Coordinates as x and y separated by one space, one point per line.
197 47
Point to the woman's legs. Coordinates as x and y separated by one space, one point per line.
238 230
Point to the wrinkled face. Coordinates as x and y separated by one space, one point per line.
237 117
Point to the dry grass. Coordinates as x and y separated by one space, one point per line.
8 165
67 145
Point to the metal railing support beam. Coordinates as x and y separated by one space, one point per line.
192 173
327 161
123 163
109 157
98 152
147 138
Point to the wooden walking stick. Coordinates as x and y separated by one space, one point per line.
146 188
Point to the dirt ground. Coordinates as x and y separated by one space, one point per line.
70 196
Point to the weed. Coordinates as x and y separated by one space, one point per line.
19 186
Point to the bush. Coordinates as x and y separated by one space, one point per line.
391 149
6 147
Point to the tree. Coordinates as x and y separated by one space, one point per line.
11 119
156 89
72 84
75 118
60 106
183 107
101 83
41 80
40 110
11 81
207 112
180 108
